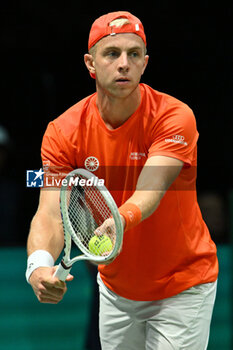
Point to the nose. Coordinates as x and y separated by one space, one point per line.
123 63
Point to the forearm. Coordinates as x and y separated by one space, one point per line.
46 233
146 201
45 243
155 179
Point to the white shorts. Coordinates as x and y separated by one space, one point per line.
181 322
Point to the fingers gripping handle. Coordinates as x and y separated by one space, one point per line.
61 273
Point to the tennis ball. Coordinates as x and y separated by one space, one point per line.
100 245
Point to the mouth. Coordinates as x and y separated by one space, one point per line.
122 80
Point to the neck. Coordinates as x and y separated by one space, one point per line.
114 110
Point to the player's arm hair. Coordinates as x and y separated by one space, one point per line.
157 175
46 231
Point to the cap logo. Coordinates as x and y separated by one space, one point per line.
112 30
137 27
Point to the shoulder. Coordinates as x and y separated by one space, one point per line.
163 102
63 134
70 120
164 108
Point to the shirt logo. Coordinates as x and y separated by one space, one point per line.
177 139
91 163
35 178
136 155
46 165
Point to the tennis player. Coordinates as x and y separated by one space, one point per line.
159 292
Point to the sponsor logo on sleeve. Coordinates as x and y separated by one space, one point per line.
177 139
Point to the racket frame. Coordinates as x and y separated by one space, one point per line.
69 234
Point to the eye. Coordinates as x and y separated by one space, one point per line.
134 54
112 54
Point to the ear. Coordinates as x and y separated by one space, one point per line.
89 62
146 59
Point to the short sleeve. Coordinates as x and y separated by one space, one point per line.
175 134
55 152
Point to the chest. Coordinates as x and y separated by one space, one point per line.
96 148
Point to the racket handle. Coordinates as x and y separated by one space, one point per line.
61 273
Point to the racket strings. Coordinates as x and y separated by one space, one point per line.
87 210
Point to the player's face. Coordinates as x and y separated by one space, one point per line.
119 62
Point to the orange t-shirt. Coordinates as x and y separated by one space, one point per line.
172 249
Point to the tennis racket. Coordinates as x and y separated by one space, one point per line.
85 205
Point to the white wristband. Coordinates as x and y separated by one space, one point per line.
39 258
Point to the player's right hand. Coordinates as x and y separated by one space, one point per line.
47 288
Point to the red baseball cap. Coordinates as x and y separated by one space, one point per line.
101 27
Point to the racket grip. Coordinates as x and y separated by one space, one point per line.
61 273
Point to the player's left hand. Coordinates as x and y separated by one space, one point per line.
108 229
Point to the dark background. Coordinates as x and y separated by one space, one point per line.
42 44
